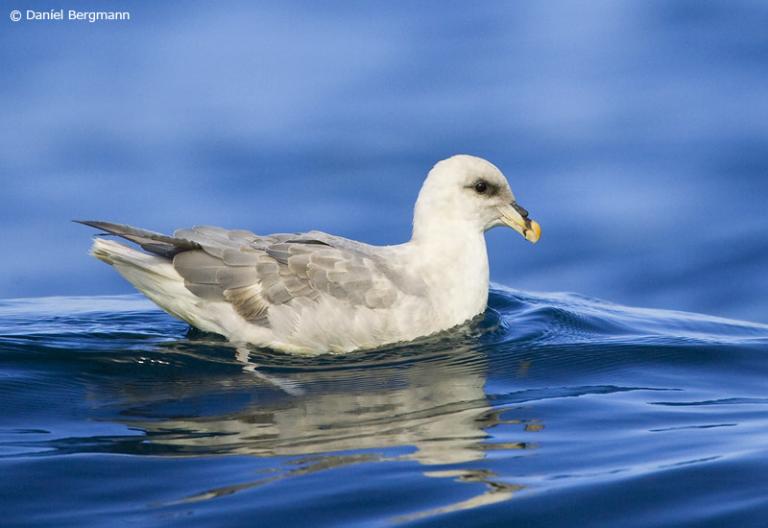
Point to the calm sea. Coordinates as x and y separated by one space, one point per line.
553 410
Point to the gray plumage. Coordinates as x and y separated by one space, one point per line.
150 241
254 272
316 293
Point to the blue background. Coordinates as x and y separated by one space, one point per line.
635 132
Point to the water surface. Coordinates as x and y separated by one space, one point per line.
551 410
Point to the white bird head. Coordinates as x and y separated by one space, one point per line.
467 192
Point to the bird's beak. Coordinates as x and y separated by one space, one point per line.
516 217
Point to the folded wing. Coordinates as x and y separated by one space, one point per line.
256 273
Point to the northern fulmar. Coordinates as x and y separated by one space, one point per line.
316 293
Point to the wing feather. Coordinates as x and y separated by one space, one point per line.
249 303
254 273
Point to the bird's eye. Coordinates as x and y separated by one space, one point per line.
481 187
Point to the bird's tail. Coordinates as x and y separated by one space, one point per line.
152 275
119 255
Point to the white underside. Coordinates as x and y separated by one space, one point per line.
312 327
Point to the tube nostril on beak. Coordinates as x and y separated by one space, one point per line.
520 209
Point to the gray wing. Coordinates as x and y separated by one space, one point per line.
255 273
156 243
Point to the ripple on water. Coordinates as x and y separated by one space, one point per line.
551 397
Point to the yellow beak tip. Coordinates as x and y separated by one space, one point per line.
534 234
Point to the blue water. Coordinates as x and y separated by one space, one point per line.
636 133
553 410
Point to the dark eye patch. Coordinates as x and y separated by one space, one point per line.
484 188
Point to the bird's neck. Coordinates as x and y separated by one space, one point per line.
454 260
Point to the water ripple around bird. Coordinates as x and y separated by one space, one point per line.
546 396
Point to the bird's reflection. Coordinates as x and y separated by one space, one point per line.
431 403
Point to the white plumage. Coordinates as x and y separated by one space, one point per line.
316 293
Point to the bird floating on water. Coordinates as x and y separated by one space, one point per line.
316 293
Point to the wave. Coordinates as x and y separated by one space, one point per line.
543 392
